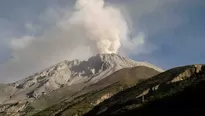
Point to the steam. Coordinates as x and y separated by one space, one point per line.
91 28
103 25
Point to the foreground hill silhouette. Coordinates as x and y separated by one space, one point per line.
179 91
189 102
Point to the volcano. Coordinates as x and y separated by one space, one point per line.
71 78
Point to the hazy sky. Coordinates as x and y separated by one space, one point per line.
173 33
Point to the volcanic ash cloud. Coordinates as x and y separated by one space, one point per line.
104 26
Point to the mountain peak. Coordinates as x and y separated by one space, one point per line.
121 61
69 73
66 74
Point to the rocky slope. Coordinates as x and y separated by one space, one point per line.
178 91
94 94
64 79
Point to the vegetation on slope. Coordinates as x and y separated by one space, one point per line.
162 86
190 102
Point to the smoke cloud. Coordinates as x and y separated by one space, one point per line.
102 25
91 27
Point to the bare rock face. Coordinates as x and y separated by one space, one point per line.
104 97
12 109
66 73
187 73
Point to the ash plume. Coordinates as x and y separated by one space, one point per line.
103 25
91 27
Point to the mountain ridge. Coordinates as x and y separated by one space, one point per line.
101 90
66 73
161 86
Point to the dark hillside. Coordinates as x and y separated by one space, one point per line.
168 93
